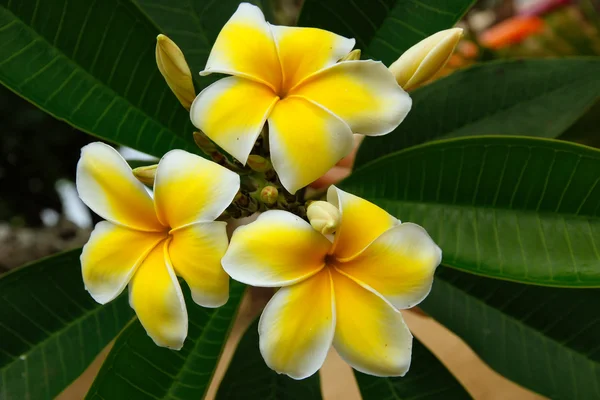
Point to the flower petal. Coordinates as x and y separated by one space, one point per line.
296 328
189 189
304 51
399 265
156 297
278 249
362 93
232 112
109 259
245 48
106 184
370 333
362 222
195 254
299 129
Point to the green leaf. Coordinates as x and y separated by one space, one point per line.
514 208
529 98
92 65
248 377
545 339
194 25
587 129
50 328
136 368
427 379
384 29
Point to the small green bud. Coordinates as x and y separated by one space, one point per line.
146 174
352 56
205 144
258 163
269 195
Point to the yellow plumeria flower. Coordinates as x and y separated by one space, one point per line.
346 293
291 77
146 242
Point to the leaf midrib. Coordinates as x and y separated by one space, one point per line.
591 152
63 329
91 77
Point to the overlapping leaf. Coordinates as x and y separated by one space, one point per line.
248 377
384 29
138 369
50 328
514 208
519 97
545 339
92 64
427 379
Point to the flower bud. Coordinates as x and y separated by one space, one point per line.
205 144
323 216
269 195
146 174
353 55
174 69
422 61
258 163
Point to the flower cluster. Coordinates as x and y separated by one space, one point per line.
344 266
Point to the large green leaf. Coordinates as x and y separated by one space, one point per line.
138 369
529 98
50 328
248 377
514 208
427 379
194 26
92 64
546 339
384 29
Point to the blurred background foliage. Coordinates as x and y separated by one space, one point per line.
38 153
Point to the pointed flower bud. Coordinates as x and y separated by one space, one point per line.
258 163
352 56
422 61
323 216
146 174
174 69
269 195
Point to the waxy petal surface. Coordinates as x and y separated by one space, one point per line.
362 222
399 265
156 297
306 141
278 249
370 333
111 256
297 326
195 252
190 189
245 48
232 112
106 184
304 51
362 93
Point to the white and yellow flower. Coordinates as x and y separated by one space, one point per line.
291 77
346 293
147 242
